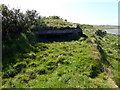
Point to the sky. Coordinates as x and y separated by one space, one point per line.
93 12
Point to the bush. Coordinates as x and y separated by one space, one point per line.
101 33
54 17
14 22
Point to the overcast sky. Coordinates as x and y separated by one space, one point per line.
97 12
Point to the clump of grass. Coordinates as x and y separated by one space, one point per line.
20 66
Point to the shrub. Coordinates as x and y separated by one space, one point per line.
101 33
14 22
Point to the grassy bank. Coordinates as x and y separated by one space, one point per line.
30 61
81 63
110 45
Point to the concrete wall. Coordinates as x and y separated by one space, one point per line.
75 31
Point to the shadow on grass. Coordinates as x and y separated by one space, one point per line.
103 56
97 69
102 53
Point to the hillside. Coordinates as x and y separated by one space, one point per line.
66 64
58 62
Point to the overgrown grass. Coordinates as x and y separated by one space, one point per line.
58 23
58 62
61 64
110 45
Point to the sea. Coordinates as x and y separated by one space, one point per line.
113 31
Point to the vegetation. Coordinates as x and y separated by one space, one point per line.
15 22
110 46
61 23
58 23
64 63
101 33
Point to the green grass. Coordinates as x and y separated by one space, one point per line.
110 46
58 23
66 64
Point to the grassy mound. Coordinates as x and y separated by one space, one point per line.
82 63
87 61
